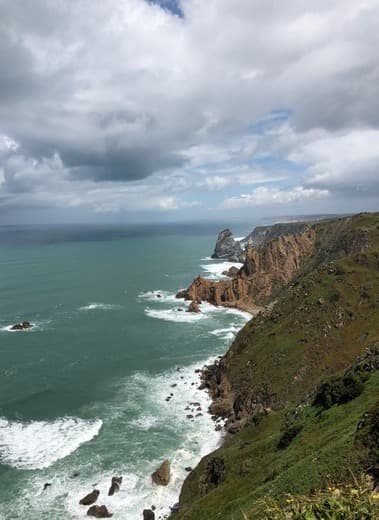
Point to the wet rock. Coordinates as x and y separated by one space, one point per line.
188 468
22 326
175 508
46 485
99 512
159 296
193 307
90 498
180 309
189 416
161 476
115 485
148 514
218 428
75 474
174 385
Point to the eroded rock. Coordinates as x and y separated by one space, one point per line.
90 498
161 476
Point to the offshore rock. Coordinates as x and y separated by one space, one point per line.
115 485
90 498
161 476
99 512
22 326
193 307
148 514
228 248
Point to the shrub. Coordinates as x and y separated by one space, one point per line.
357 501
288 436
338 390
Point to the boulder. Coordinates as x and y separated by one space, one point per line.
161 476
193 307
115 485
99 512
148 514
22 326
90 498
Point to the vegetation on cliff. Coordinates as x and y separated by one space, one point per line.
299 387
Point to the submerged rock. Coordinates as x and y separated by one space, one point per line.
115 485
161 476
90 498
99 512
22 326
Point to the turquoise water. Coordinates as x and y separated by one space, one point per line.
83 393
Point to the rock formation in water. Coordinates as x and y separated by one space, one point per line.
90 498
193 307
115 485
227 248
99 512
22 326
161 476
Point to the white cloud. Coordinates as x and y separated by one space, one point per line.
263 196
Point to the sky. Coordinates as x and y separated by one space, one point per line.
170 110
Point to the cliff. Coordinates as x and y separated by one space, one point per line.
263 234
299 386
264 272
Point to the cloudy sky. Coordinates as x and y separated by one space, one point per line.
128 110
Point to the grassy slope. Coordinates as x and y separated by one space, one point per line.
281 358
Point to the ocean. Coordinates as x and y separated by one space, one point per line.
84 393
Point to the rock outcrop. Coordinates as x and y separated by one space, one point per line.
263 234
22 326
265 271
99 512
228 248
148 514
194 307
161 476
115 485
90 498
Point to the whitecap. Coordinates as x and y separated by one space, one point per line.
100 306
174 315
38 444
214 271
145 422
158 296
36 325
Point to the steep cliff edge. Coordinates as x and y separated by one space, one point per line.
264 272
268 385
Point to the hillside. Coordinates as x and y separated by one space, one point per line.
299 387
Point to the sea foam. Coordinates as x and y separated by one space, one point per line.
214 271
38 444
100 306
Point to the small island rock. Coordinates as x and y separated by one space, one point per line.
99 512
148 514
115 485
90 498
193 307
161 476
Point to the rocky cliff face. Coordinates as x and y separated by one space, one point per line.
263 234
265 271
228 248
